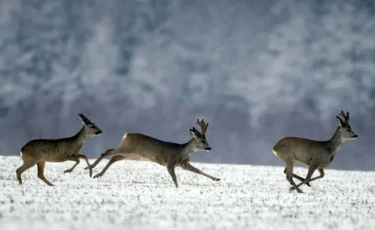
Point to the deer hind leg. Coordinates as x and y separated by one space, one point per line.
108 152
28 162
25 166
298 178
113 160
187 166
289 175
41 165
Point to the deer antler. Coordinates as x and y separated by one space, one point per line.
345 116
203 126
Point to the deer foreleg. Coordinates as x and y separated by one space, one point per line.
71 158
321 171
187 166
308 177
298 178
81 156
76 159
173 174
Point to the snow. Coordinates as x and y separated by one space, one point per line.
141 195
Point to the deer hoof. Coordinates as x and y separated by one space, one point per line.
298 190
217 179
98 175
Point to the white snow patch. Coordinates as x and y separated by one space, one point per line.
141 195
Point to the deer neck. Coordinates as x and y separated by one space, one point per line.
335 142
80 137
188 147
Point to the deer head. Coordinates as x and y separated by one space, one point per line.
199 138
345 130
91 129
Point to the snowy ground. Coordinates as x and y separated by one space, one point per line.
141 195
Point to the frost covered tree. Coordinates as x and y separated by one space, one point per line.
254 70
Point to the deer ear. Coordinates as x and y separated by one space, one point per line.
82 118
83 123
339 122
194 132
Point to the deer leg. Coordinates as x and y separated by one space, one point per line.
74 166
308 177
113 160
315 178
25 166
171 171
318 177
41 165
81 156
298 177
289 175
187 166
109 152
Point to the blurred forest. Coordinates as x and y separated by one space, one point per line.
255 70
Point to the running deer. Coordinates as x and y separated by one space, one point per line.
39 151
315 154
171 155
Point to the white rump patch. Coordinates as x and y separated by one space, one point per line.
20 154
274 152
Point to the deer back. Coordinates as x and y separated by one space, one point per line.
148 147
299 149
52 149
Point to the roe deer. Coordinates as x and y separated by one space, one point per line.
40 151
316 154
171 155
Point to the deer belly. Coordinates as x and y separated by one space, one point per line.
303 158
326 162
160 161
53 157
156 158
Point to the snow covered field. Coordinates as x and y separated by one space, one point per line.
141 195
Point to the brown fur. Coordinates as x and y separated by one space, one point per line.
171 155
39 151
316 154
